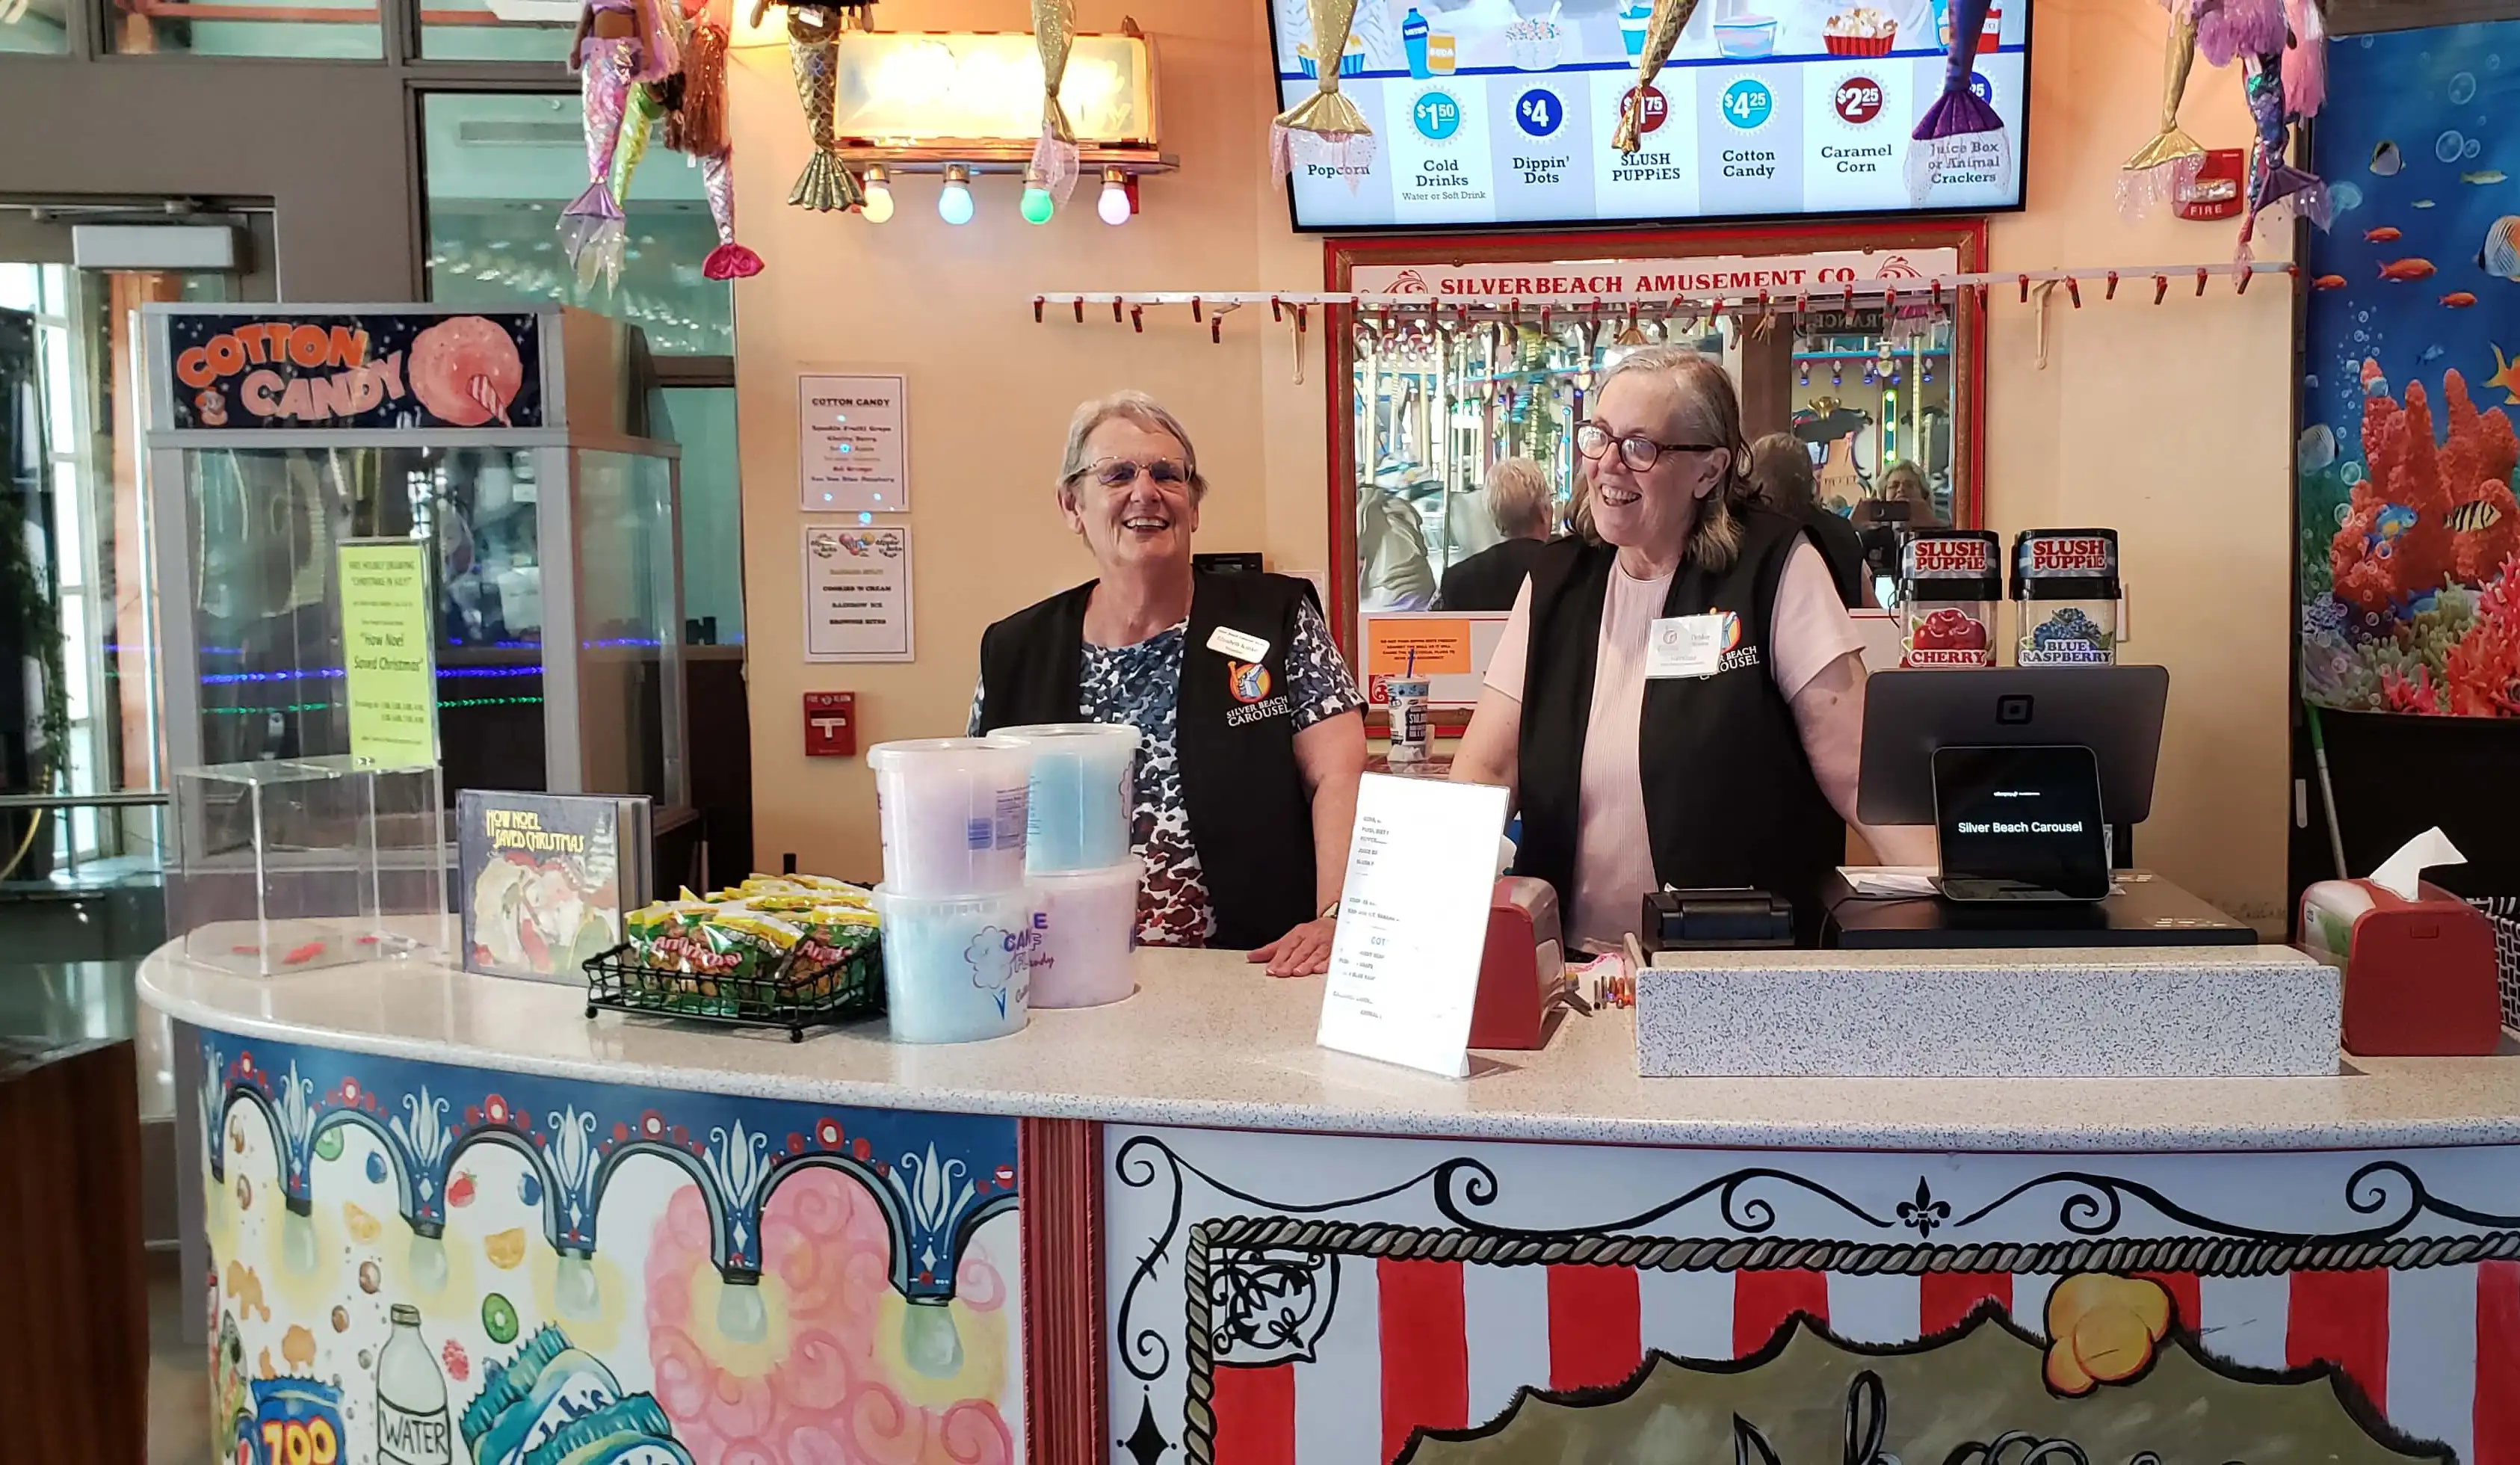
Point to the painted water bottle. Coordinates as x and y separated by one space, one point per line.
1413 39
412 1423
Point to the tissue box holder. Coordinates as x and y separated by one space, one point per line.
2419 975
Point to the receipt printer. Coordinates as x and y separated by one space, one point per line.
1524 967
1717 920
2420 977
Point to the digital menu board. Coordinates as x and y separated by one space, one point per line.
1501 112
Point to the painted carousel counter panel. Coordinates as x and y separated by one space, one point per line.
1209 1041
416 1263
1302 1300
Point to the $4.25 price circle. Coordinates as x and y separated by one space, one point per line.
1747 103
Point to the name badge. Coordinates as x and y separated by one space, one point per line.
1691 645
1242 646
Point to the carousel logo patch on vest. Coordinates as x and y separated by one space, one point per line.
1247 680
1237 646
1738 659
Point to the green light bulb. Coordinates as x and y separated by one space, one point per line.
1036 205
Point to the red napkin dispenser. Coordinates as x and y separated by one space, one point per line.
2419 975
1523 966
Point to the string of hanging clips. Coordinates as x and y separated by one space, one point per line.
1931 291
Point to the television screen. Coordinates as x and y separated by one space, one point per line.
1501 112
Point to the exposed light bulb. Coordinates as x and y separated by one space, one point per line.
1113 206
879 194
954 204
1037 206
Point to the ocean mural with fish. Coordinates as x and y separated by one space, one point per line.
2409 533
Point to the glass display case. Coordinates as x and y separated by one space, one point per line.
284 865
513 444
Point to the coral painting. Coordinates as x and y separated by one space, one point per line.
2410 551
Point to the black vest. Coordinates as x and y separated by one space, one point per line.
1729 797
1250 818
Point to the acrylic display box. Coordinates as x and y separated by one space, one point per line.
295 865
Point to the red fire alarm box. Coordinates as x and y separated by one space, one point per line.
831 724
2215 192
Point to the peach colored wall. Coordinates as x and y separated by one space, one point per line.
2170 424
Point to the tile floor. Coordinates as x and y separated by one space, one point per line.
179 1383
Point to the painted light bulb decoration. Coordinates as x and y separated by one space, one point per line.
879 194
954 204
575 1289
741 1313
297 1243
929 1339
428 1263
1113 206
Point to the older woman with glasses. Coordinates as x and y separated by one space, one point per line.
1253 732
1679 697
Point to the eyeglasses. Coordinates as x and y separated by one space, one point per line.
1120 473
1637 450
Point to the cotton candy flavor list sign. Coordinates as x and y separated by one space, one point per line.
400 370
1496 115
852 457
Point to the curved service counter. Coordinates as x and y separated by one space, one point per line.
451 1219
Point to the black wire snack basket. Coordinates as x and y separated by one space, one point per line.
795 994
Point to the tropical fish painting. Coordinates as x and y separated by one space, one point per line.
2408 527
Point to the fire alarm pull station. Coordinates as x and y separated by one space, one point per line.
831 724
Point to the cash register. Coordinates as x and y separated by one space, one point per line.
2034 778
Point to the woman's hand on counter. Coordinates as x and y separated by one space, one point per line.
1304 951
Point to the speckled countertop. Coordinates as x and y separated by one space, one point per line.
1208 1040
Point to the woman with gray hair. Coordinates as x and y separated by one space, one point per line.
1519 503
1252 732
1679 697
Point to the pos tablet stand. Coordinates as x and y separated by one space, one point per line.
2115 711
2020 823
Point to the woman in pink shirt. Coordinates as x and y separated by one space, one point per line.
1679 697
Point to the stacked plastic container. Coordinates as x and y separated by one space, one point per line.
959 923
1076 855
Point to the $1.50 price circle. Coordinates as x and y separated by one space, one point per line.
1437 116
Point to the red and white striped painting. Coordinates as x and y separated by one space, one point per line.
1259 1318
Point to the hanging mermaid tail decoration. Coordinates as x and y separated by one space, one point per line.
619 44
2167 163
1662 32
1055 157
1961 131
814 59
695 128
1326 126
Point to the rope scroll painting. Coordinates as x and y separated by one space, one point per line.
416 1264
1300 1299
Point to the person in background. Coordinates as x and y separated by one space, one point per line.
1518 500
1780 474
1253 732
1629 780
1906 482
